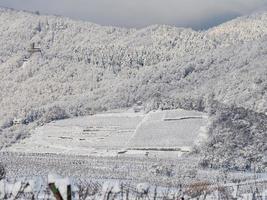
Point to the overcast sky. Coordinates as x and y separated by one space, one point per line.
198 14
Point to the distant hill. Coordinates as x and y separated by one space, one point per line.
85 68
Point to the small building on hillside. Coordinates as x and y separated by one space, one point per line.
34 49
17 121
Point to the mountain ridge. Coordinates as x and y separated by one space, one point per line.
86 67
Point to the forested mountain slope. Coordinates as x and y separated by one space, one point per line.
84 67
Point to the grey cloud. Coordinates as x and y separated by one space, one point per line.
197 14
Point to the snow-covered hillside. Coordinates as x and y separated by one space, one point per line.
125 134
85 68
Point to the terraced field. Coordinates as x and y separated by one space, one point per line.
172 129
157 134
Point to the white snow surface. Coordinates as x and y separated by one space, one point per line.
109 133
168 129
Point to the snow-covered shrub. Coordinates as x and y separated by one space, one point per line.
54 113
188 70
8 122
2 172
237 139
197 189
33 115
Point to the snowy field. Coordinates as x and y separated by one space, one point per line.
158 133
97 134
172 129
155 171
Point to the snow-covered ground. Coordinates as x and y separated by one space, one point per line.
37 187
173 129
109 134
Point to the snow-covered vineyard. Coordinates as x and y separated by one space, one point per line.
128 133
171 177
70 189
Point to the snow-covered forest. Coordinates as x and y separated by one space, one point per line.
85 68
